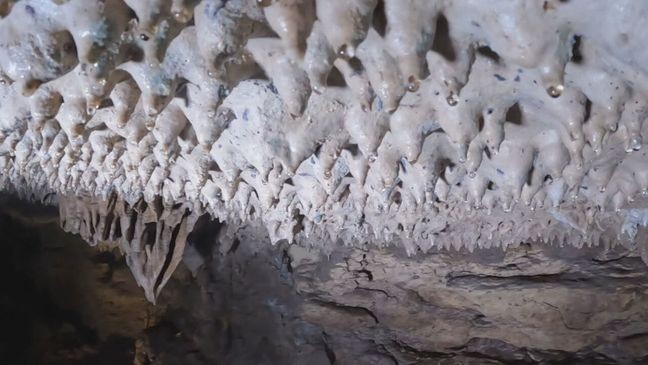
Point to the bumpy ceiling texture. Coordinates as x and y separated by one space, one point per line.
418 123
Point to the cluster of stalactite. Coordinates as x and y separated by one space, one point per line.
452 123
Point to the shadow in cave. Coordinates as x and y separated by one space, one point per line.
36 329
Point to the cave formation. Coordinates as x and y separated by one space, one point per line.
331 181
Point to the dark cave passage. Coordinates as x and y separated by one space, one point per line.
63 301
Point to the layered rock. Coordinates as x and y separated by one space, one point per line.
238 300
532 304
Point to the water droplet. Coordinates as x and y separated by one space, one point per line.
343 52
555 90
452 100
413 83
182 16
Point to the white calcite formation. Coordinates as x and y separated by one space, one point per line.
423 123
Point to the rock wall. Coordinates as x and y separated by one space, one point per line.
526 305
243 301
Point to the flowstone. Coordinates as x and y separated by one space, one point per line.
420 124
